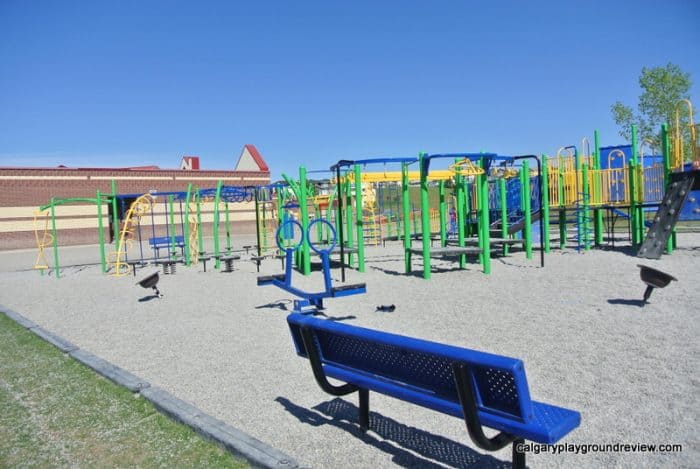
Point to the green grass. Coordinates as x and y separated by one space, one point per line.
56 412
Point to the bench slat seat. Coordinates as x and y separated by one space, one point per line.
482 388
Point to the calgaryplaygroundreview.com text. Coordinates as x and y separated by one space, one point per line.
585 448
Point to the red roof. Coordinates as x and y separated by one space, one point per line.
256 156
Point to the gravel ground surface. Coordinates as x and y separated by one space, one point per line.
221 343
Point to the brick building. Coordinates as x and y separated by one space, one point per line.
24 190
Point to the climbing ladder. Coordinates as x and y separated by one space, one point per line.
370 227
584 222
139 208
666 217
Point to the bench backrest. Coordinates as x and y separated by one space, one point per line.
500 382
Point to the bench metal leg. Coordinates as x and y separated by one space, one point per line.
467 399
518 457
317 367
364 409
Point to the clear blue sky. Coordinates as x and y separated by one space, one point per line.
87 83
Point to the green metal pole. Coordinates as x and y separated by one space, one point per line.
200 234
483 207
55 239
443 214
639 183
666 152
504 212
115 215
100 233
545 204
360 224
586 210
634 213
598 188
304 210
217 200
186 225
406 209
425 216
527 229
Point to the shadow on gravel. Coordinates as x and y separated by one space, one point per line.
392 437
418 271
147 298
505 261
281 304
622 301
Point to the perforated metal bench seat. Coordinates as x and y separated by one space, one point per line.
483 389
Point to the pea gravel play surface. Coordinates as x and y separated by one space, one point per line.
221 343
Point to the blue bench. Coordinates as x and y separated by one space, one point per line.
160 242
483 389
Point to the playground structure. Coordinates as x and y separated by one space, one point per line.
480 204
46 233
364 212
155 220
499 201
